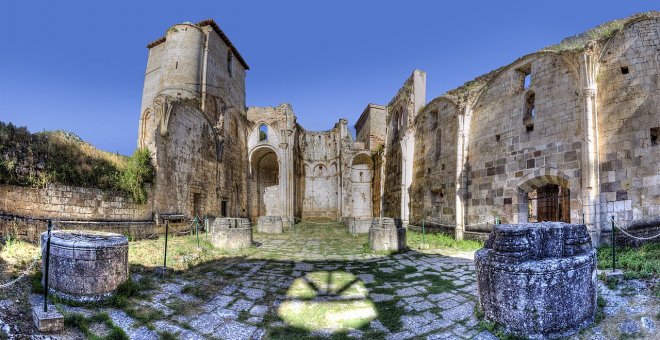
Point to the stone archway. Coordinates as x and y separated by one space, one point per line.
265 180
544 195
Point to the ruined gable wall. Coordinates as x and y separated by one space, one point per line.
401 112
277 121
497 168
628 107
434 180
320 156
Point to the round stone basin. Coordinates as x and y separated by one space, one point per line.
538 280
85 265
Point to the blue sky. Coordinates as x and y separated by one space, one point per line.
79 65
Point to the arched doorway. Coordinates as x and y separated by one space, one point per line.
264 177
361 175
544 198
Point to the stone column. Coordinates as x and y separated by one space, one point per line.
461 162
588 70
407 157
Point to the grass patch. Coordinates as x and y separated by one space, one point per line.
17 255
641 262
84 323
440 241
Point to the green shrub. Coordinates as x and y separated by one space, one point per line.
138 172
36 159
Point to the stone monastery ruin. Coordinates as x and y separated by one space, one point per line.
569 133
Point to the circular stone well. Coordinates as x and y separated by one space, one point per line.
387 234
231 233
85 265
538 280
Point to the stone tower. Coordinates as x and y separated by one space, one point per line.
193 103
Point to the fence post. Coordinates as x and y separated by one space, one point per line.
46 265
423 231
613 246
167 228
197 229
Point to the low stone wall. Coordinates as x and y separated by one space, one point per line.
71 203
29 229
387 234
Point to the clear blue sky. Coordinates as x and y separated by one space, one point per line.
79 65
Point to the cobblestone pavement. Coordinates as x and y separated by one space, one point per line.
299 287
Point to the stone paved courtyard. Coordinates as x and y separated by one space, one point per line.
303 285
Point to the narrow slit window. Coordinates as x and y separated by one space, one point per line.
624 70
230 61
530 108
526 76
655 135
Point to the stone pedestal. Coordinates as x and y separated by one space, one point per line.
270 225
538 280
359 225
48 322
387 234
85 266
231 233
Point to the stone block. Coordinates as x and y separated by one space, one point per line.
51 321
231 233
387 234
359 225
270 225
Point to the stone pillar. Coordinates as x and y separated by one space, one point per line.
461 165
407 158
588 70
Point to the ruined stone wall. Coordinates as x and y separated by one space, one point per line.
399 145
434 178
370 127
504 156
628 109
320 156
71 203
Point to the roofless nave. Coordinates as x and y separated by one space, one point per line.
569 133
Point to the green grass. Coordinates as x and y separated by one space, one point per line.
83 323
642 262
440 241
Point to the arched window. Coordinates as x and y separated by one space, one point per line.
263 133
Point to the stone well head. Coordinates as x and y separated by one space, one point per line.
231 233
538 280
85 265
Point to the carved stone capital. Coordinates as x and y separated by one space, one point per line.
589 92
284 145
163 105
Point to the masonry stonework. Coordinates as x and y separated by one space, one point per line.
570 133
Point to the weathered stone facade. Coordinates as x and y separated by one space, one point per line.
565 134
